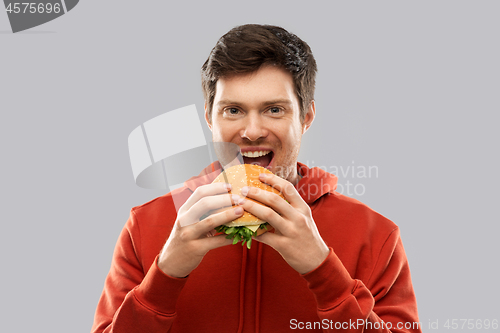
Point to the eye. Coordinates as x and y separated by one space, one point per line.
275 111
231 112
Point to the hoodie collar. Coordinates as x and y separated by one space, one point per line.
315 183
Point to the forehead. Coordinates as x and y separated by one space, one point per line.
267 83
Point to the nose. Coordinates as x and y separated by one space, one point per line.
253 128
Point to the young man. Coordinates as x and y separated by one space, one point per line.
332 263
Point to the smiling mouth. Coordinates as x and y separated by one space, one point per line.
262 158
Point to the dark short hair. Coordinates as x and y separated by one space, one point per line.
245 48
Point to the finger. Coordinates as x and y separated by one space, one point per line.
266 214
213 221
270 199
214 242
211 233
207 204
204 191
285 187
271 239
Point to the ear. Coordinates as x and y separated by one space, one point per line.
207 119
309 118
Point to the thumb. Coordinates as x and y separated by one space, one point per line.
267 238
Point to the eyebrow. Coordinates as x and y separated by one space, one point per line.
274 101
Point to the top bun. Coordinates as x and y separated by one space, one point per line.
240 176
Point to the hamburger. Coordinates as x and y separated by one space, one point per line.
248 225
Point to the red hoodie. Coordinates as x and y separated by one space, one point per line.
364 285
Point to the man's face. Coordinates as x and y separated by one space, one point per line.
260 113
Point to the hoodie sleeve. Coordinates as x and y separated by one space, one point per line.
384 303
135 300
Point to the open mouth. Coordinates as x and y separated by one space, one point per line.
262 158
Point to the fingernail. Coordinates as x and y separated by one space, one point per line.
244 190
262 175
227 186
238 210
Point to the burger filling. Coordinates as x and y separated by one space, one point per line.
261 158
243 234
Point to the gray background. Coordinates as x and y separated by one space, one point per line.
409 87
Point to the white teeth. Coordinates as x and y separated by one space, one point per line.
255 153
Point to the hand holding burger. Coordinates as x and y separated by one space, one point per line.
248 225
296 235
188 243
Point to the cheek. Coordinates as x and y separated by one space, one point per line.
222 133
291 138
216 134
